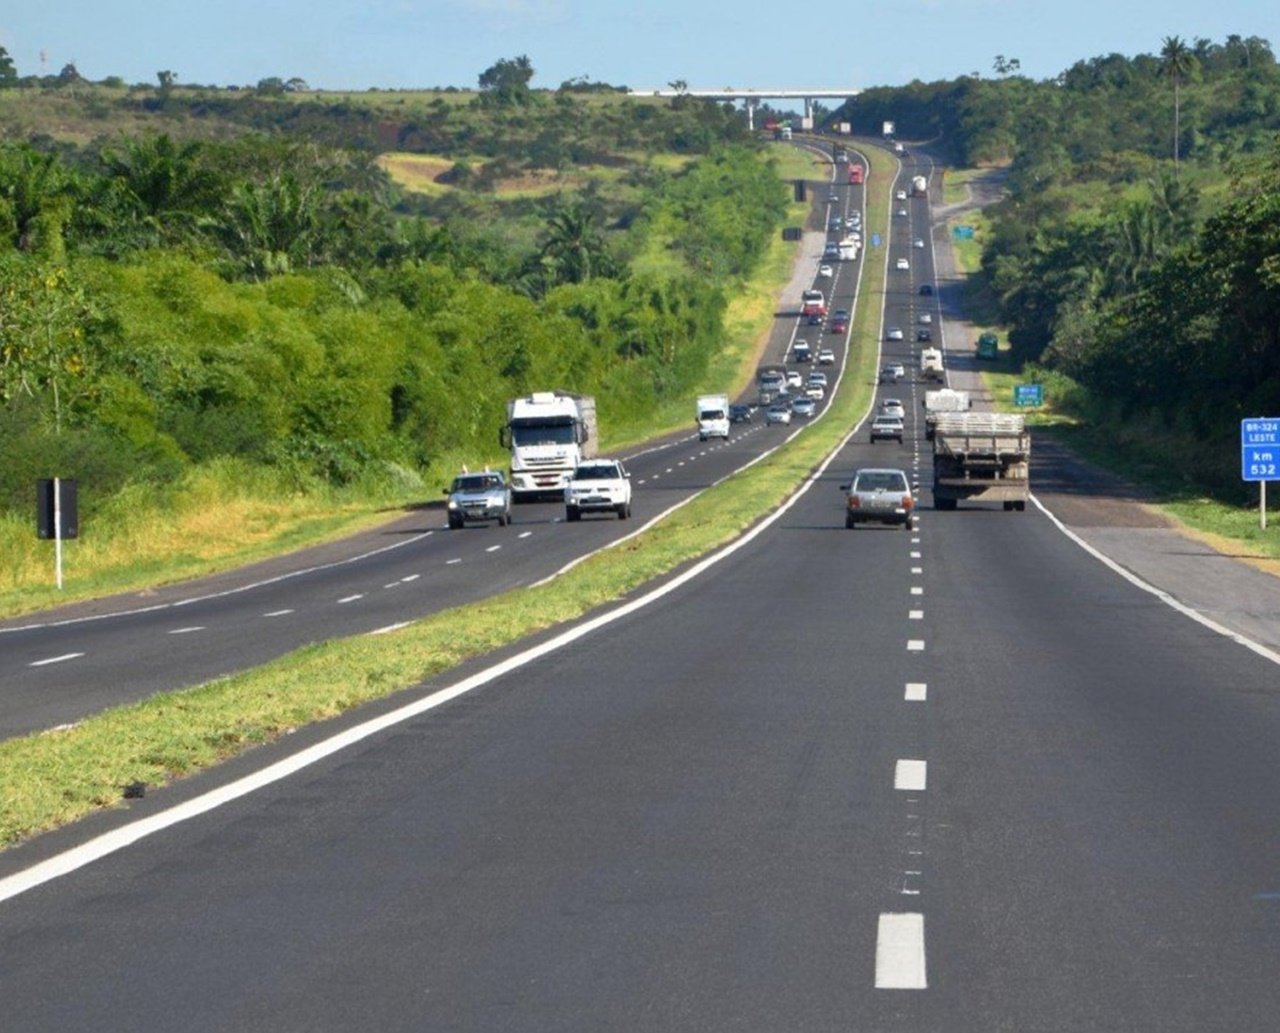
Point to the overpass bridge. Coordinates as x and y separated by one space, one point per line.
751 96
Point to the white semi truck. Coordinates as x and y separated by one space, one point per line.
713 416
931 367
548 434
919 186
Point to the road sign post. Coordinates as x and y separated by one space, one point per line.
57 515
1260 456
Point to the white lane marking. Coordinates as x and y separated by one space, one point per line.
410 577
640 482
900 960
1160 593
915 555
393 584
917 692
910 775
187 630
390 628
350 598
917 570
525 534
915 645
493 548
278 613
450 563
915 615
54 659
917 590
668 470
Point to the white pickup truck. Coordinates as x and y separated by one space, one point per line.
598 486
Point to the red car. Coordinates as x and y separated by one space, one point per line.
839 321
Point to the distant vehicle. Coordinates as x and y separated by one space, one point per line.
712 416
899 369
778 414
548 434
901 212
835 224
598 486
782 133
925 317
889 374
800 351
831 250
894 334
902 264
812 303
924 334
988 346
739 414
917 242
826 357
848 248
805 405
817 377
926 289
900 195
833 198
813 319
825 270
815 392
893 407
943 400
855 173
919 186
879 496
886 428
794 379
899 149
840 321
479 497
931 367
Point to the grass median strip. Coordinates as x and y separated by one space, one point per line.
55 777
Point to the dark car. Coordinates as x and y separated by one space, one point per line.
739 414
815 319
924 334
926 289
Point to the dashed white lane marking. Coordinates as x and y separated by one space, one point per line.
915 555
917 692
915 645
350 598
911 775
393 584
450 563
493 548
278 613
915 615
639 482
54 659
186 631
410 577
390 628
668 470
917 590
917 570
527 533
900 960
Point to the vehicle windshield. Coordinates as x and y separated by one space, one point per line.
477 482
880 482
543 434
602 472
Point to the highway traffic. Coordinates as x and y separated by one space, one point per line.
962 778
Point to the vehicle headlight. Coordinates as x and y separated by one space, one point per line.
453 503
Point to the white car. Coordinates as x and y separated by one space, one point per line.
901 213
827 357
793 378
926 318
818 377
902 263
894 334
901 195
598 486
778 414
917 242
815 391
824 270
893 407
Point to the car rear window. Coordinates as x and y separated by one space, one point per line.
880 482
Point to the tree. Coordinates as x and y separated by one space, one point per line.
1176 64
8 73
507 80
575 248
1006 65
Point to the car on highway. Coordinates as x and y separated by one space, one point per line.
779 412
885 428
816 392
894 334
901 213
826 357
814 319
839 321
893 407
476 497
804 406
889 374
899 369
924 334
875 495
902 264
598 486
835 224
917 242
854 220
900 195
925 317
926 289
825 270
817 377
794 379
831 250
739 414
833 198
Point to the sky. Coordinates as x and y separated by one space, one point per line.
408 44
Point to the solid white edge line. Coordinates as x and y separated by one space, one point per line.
108 843
900 955
1182 608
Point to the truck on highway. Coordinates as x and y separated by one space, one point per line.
848 248
548 433
782 133
713 416
988 346
931 367
855 173
812 303
919 186
937 402
981 457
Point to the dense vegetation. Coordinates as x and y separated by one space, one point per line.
1138 252
241 279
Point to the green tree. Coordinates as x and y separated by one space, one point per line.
8 73
1176 64
575 247
37 196
507 80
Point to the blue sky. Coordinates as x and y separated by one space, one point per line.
355 44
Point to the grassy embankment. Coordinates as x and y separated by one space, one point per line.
55 777
1141 449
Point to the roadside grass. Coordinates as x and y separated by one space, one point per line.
55 777
968 251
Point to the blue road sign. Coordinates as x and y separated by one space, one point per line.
1260 449
1028 394
875 240
963 233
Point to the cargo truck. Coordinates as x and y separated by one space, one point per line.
942 401
713 416
981 457
919 186
931 367
812 303
848 249
548 433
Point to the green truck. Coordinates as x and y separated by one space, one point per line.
988 346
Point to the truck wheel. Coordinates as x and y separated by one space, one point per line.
944 503
1020 506
1008 507
572 513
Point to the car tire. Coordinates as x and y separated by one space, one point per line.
849 522
503 519
621 509
572 514
454 523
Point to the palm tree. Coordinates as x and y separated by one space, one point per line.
574 244
1176 62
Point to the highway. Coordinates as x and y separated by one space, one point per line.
962 779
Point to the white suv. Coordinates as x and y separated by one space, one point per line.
598 485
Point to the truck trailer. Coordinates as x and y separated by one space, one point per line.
919 186
548 434
943 400
981 457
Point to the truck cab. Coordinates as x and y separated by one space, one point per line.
548 433
812 303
